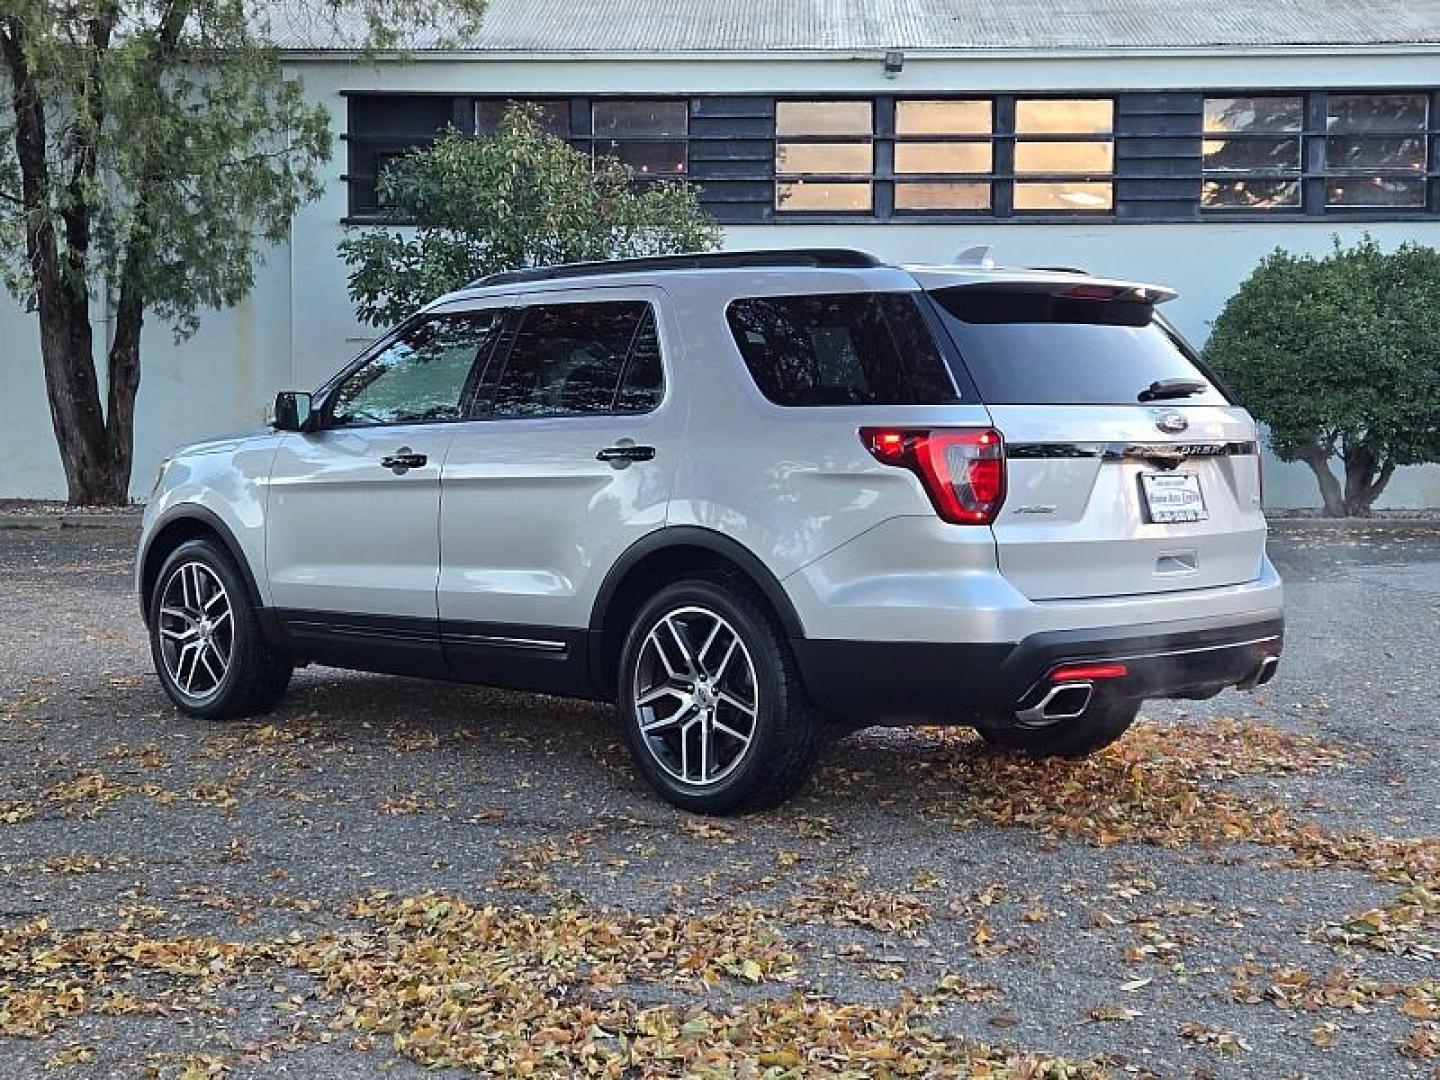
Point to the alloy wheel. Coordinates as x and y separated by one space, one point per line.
695 698
196 625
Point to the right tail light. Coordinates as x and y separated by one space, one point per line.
962 470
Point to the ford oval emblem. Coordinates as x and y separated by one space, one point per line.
1172 423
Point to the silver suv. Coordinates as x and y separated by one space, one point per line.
754 499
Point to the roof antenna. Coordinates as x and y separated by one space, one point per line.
976 256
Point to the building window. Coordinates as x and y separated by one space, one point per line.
943 155
649 136
1251 153
554 115
1064 154
383 129
824 156
1375 152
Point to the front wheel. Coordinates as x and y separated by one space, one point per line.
205 638
711 703
1103 721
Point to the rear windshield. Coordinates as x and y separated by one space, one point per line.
1036 348
841 349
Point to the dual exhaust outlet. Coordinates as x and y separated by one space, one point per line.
1071 688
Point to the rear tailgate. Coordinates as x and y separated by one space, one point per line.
1108 494
1078 523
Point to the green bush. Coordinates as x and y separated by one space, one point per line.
520 198
1340 357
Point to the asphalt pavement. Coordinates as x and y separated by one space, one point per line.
1245 887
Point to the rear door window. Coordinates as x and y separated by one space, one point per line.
1025 347
581 359
841 349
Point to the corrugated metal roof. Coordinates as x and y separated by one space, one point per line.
754 26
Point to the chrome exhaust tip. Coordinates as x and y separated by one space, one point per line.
1063 701
1262 674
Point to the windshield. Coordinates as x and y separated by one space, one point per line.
1025 347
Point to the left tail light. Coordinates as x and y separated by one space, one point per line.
962 470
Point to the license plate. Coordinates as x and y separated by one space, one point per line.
1173 496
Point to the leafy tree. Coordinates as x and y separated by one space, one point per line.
1340 356
150 147
520 198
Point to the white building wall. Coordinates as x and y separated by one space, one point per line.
297 327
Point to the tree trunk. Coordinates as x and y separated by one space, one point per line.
1318 458
62 301
124 367
1365 481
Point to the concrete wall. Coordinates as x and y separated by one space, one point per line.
297 326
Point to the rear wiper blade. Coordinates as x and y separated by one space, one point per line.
1171 388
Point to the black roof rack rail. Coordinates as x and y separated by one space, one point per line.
829 257
1061 270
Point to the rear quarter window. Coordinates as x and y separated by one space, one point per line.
1025 347
841 349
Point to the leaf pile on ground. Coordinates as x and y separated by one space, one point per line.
1163 785
844 901
519 994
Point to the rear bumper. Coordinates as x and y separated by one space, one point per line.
920 681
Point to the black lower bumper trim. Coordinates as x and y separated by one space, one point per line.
955 681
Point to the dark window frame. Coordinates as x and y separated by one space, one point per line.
1158 172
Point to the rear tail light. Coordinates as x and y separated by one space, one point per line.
963 471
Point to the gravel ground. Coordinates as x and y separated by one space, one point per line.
1184 905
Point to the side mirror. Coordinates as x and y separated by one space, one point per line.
292 411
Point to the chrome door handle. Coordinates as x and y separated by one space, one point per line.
626 453
403 459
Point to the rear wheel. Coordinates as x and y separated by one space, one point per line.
1103 721
205 638
711 703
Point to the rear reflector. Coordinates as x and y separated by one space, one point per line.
1087 672
962 471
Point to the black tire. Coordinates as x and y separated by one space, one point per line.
254 678
1104 721
786 735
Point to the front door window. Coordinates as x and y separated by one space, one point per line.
422 376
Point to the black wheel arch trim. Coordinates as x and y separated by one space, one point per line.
216 524
696 536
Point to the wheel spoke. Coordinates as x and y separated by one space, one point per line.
204 654
192 650
709 640
720 725
671 670
704 747
725 660
179 635
660 723
655 693
730 699
686 652
219 596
